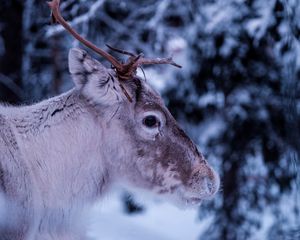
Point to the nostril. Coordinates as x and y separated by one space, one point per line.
212 185
205 180
214 182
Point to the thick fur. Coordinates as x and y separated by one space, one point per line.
59 156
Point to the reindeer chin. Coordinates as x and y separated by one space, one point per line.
186 198
194 201
188 202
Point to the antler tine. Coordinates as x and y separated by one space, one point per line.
54 5
120 51
138 61
146 61
129 68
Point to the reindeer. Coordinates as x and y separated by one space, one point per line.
59 156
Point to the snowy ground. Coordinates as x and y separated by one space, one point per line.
163 221
160 221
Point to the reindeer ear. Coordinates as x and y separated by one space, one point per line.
96 82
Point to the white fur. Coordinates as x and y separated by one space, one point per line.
55 153
60 155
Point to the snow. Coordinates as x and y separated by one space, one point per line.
161 80
161 8
163 221
160 221
218 14
216 98
257 27
267 222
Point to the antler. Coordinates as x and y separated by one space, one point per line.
135 61
125 70
56 17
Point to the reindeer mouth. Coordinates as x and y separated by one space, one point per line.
189 200
194 201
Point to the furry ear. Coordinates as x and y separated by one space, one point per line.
96 82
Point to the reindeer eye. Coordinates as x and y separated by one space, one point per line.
150 121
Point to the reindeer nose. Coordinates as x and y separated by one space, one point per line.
204 181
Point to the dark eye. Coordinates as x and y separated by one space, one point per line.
150 121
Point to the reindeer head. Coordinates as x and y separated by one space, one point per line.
143 144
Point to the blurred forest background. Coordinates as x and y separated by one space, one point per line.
237 96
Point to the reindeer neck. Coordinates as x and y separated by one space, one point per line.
35 119
60 138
